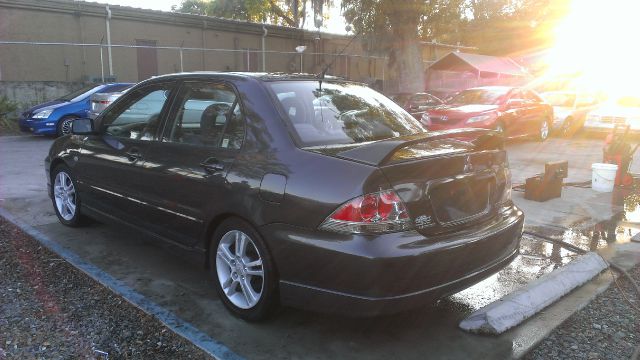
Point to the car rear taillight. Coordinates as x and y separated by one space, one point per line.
374 213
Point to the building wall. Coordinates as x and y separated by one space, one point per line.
84 23
232 46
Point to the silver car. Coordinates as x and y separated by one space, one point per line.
100 101
570 109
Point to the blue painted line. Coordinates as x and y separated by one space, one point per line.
184 329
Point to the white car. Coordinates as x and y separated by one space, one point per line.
569 109
622 111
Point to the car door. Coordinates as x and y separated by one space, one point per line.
535 113
202 137
514 116
111 165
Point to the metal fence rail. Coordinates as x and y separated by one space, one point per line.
78 62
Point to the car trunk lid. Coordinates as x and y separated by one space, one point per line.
447 180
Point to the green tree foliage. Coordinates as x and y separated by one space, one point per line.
292 13
511 28
495 27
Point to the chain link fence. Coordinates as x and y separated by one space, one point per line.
91 62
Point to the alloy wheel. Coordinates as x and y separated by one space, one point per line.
65 196
544 130
65 127
239 269
566 127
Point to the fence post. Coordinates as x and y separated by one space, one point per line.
181 63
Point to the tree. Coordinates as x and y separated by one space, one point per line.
292 13
510 28
399 25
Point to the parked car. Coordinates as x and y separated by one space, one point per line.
55 117
622 111
570 109
319 194
511 110
416 104
101 100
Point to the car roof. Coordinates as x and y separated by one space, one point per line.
263 76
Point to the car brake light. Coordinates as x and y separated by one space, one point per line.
374 213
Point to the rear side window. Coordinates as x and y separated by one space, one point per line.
340 113
208 115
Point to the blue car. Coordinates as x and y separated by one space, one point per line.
55 117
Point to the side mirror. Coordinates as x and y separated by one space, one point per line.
82 126
514 103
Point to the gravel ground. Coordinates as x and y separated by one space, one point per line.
607 328
51 310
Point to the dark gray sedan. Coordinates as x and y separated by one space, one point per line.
314 193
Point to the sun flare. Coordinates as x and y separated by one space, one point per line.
598 43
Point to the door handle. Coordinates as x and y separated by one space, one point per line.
133 155
212 165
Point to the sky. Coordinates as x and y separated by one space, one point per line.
335 24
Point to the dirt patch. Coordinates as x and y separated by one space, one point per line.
51 310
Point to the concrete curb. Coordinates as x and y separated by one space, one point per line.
518 306
180 327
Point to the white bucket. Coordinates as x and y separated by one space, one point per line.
603 176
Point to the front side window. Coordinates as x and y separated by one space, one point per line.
340 113
138 117
208 115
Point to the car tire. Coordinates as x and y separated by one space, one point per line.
66 199
543 130
567 127
64 125
245 279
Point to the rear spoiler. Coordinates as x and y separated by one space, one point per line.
380 152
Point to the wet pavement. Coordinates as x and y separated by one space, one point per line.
583 217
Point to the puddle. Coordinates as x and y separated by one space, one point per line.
539 257
619 229
536 259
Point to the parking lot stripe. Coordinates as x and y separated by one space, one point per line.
182 328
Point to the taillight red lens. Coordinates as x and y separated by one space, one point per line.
377 212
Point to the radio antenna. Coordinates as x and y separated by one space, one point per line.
326 68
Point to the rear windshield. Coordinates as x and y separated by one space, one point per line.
341 113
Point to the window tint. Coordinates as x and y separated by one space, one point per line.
340 113
139 117
209 115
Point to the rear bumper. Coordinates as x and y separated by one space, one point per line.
365 276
